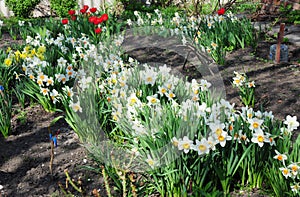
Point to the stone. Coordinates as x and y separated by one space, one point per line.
43 9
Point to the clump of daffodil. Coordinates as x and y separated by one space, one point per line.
246 88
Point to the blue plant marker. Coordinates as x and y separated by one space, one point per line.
54 139
1 88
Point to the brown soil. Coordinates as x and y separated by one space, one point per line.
25 155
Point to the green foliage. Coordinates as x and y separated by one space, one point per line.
289 15
21 8
242 6
61 7
5 113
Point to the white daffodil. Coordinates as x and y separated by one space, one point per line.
170 95
255 124
175 141
75 106
149 76
45 91
291 122
133 100
294 167
280 157
258 138
50 81
162 90
185 144
285 172
217 128
202 147
222 138
54 96
295 188
204 85
151 162
152 100
69 91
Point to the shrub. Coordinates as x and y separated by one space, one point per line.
61 7
21 8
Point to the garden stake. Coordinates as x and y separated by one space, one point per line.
51 152
279 40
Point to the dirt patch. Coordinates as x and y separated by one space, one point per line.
25 156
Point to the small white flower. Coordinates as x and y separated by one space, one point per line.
291 123
151 162
45 91
285 172
21 23
295 188
279 156
255 124
294 168
185 144
152 100
175 141
75 106
135 151
202 147
222 138
258 138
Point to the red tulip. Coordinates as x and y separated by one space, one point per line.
92 19
73 18
104 17
71 12
97 21
64 21
221 11
98 30
86 7
93 10
82 11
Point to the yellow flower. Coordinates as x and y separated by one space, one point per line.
27 48
40 56
41 49
33 52
17 55
23 55
8 50
8 62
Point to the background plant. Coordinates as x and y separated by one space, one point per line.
61 7
21 8
5 112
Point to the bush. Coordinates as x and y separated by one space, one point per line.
61 7
21 8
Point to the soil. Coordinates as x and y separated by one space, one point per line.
25 155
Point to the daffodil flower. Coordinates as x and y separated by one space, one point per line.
279 156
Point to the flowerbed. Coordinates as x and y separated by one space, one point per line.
152 131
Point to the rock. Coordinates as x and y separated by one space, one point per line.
43 9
